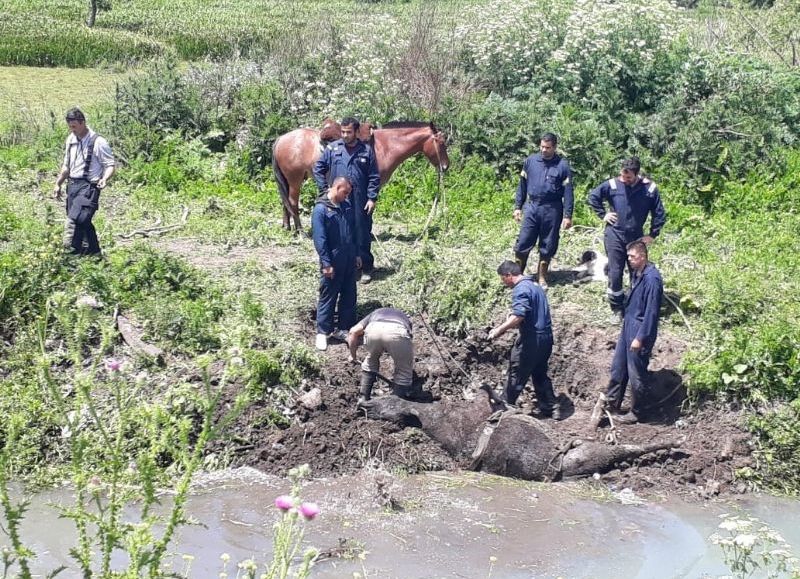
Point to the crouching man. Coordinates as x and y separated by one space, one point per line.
384 330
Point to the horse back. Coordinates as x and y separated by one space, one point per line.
297 151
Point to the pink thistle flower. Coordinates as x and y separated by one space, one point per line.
284 502
113 365
309 510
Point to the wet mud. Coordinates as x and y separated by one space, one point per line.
336 438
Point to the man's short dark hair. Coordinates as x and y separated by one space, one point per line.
551 138
75 114
350 122
343 180
632 164
509 268
638 246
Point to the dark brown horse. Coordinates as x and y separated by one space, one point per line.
295 153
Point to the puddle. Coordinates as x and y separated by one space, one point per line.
451 525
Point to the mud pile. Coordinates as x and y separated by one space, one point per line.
335 438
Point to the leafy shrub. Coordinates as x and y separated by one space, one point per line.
778 447
151 105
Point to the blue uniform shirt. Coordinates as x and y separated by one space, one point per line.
631 204
529 301
642 306
359 165
546 181
332 229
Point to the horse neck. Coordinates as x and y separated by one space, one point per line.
393 146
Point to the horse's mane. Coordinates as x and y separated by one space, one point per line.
405 125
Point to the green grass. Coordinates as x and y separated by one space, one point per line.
33 100
51 32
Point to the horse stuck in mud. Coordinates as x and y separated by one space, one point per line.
295 153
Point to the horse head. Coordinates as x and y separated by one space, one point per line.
331 130
435 149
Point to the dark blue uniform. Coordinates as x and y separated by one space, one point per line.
361 167
545 192
632 205
332 228
532 348
642 305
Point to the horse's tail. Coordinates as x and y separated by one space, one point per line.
280 179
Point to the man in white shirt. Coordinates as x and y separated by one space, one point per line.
88 164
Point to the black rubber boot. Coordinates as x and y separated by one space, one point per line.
367 382
522 260
409 392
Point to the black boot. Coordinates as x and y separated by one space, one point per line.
367 382
522 260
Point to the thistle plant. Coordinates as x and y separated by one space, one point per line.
749 546
289 530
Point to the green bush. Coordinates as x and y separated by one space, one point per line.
777 452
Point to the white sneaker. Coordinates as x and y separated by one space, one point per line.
321 342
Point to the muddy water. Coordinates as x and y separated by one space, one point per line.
445 525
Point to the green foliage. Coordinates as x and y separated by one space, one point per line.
778 447
32 39
150 105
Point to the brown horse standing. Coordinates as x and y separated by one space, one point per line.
295 153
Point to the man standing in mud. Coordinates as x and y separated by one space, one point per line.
351 158
639 331
531 351
332 228
384 330
544 204
623 203
88 164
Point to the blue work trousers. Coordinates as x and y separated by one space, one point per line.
616 242
629 367
337 291
364 232
529 359
541 223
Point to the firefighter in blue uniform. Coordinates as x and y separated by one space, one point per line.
638 336
545 193
531 351
624 203
351 158
332 228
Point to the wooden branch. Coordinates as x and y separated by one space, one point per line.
158 229
679 310
132 337
730 132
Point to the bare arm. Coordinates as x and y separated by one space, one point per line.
512 321
62 176
107 173
354 339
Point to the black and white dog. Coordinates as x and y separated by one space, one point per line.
592 267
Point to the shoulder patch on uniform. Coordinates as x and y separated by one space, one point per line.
651 188
612 183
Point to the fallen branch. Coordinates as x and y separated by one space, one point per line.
132 337
680 311
158 229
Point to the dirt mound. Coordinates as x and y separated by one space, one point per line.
335 438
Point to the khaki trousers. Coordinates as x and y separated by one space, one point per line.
380 337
